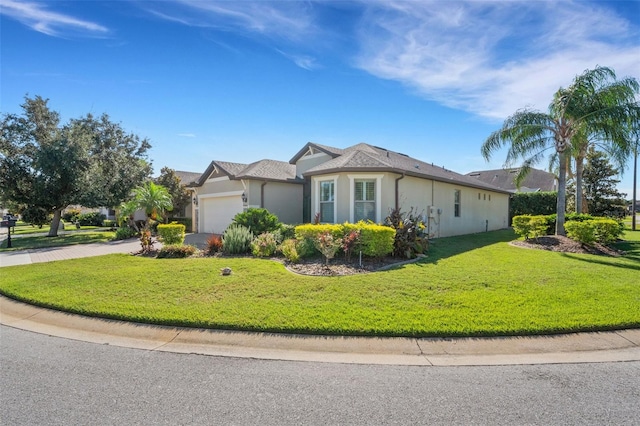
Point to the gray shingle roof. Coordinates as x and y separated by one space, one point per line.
536 180
187 178
268 169
271 170
363 157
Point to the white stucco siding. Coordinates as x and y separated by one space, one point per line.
488 211
432 199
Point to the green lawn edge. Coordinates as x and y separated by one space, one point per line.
471 286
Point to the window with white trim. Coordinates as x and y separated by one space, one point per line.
364 200
327 200
456 203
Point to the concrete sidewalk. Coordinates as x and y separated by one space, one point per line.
25 257
614 346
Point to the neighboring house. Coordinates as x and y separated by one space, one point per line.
536 180
362 182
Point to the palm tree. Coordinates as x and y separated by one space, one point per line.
608 103
153 199
583 107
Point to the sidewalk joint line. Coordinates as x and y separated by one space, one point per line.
630 341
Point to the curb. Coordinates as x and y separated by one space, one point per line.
614 346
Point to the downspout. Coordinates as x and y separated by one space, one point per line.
262 194
397 195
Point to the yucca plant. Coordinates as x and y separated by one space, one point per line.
236 239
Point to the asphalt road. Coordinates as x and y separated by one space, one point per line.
49 381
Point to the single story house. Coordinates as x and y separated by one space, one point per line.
536 180
361 182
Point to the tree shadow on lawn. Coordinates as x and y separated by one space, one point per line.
632 253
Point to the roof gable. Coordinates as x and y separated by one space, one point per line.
312 148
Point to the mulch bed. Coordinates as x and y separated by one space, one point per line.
563 244
340 266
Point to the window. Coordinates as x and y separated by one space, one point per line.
327 200
364 200
456 203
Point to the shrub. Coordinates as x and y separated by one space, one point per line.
607 230
306 248
171 234
186 221
582 232
289 249
327 244
533 203
531 226
286 232
214 244
264 245
409 239
91 219
236 239
36 216
71 215
176 251
257 220
578 217
349 243
124 233
311 231
376 240
109 223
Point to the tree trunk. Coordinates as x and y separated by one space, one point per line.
579 191
55 223
562 193
635 182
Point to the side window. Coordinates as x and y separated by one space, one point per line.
327 200
456 203
365 200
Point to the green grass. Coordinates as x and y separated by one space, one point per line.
22 228
476 285
69 238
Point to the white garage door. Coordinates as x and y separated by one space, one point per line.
218 212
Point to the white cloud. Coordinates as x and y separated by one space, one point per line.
288 20
38 18
492 58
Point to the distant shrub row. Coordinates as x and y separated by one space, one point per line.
583 228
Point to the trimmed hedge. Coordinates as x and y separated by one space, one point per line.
375 240
602 230
533 203
186 221
530 226
171 233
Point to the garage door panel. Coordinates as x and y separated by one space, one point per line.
218 213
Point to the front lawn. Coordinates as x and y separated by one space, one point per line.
63 239
474 285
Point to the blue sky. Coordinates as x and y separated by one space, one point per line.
246 80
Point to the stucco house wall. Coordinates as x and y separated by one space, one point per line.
480 209
282 199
